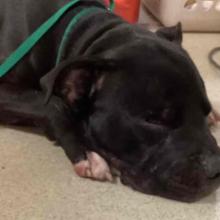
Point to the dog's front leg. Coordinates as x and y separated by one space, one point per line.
19 107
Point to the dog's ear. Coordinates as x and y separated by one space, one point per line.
173 34
73 79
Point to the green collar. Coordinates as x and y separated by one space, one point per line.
33 39
70 27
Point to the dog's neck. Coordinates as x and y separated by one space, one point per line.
61 27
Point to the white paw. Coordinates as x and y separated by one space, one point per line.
213 118
95 167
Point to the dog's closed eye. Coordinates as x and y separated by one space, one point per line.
153 117
165 117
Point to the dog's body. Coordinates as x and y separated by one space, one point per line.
131 95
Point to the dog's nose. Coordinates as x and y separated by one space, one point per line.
212 167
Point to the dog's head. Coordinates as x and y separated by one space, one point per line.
146 104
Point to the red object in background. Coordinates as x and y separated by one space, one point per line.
127 9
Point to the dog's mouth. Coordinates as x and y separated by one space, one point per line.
170 189
185 193
186 189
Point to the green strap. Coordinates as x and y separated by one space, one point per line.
112 5
32 40
69 28
29 43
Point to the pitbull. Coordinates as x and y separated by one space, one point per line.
121 96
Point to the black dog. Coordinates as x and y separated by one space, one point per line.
133 96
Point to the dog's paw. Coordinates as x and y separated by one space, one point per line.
95 167
213 118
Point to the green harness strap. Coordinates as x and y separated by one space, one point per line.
33 39
69 28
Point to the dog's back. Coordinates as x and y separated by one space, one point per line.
18 20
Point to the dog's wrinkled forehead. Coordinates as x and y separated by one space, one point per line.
159 84
158 72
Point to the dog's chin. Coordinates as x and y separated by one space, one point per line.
186 193
171 189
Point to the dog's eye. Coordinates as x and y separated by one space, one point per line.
153 117
162 117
